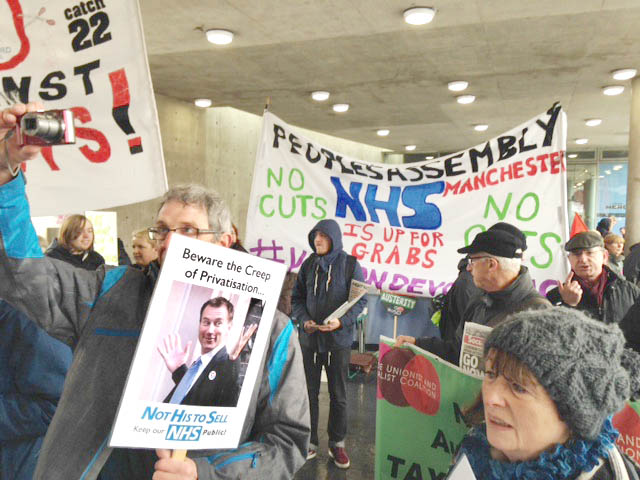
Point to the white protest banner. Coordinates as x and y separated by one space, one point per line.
405 222
199 400
89 57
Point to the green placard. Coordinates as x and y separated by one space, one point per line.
397 304
420 400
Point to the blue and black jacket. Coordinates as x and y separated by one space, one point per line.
101 313
323 285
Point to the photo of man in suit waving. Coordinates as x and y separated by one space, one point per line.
212 378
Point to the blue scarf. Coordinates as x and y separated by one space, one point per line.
564 462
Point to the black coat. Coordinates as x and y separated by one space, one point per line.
631 266
488 308
619 296
456 301
90 260
217 385
630 326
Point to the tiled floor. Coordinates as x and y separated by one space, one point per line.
360 441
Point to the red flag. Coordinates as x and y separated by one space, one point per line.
578 226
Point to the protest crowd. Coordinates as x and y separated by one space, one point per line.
208 351
543 360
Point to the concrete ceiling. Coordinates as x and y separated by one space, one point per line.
519 57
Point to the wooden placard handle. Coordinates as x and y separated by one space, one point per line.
179 455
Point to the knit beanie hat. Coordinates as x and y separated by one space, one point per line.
580 362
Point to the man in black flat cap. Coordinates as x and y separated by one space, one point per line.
591 286
495 263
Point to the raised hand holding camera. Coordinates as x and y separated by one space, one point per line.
11 153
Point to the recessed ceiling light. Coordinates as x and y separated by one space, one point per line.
608 172
624 73
457 86
419 15
573 155
320 96
582 141
465 99
593 122
383 132
480 127
219 37
341 107
600 176
617 167
202 102
586 171
612 90
429 157
409 148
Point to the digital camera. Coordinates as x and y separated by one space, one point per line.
53 127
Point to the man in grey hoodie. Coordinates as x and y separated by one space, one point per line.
323 285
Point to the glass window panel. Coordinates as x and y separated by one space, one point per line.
612 191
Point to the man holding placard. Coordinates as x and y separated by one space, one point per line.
322 286
101 314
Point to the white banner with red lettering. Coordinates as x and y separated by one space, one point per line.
90 57
405 222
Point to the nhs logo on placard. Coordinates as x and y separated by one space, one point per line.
184 433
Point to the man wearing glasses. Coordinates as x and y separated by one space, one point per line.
591 286
101 314
495 263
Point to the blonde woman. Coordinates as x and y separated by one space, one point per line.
614 245
144 249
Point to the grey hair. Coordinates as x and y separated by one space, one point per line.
509 264
217 210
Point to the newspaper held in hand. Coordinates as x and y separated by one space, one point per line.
356 291
472 350
461 470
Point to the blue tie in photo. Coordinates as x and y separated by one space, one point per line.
183 387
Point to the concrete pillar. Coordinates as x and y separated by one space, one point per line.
633 179
590 203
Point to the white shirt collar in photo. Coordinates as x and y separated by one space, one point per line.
204 361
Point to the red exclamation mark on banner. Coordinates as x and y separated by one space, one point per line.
121 100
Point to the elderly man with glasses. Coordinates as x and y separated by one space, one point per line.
495 263
592 286
101 313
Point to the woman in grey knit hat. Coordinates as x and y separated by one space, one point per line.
553 379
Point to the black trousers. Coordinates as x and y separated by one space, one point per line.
336 364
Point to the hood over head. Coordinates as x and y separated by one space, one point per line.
331 229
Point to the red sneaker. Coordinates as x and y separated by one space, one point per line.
311 453
340 457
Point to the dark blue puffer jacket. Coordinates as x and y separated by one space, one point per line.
33 366
322 286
